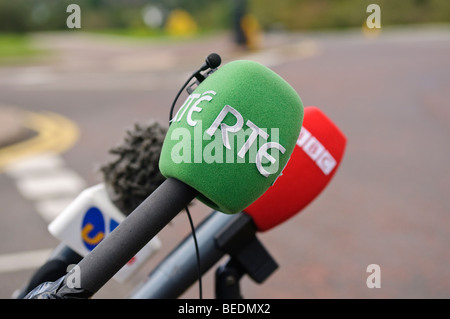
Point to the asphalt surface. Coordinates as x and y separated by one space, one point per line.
387 205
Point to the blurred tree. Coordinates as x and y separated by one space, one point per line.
14 16
30 15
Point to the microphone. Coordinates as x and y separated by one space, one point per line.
233 135
127 181
212 61
88 220
135 174
240 93
314 161
303 179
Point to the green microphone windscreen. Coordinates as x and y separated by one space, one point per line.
233 135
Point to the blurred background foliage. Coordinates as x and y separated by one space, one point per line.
328 14
21 16
245 19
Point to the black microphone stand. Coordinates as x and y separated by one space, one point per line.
247 254
217 235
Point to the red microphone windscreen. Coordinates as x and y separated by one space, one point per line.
315 159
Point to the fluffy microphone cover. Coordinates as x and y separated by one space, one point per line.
314 161
135 174
258 97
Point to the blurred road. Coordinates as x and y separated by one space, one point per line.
388 203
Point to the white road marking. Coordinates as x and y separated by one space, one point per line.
50 208
44 179
41 176
38 163
274 56
23 260
54 184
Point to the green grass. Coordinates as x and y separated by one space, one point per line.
145 34
131 32
17 48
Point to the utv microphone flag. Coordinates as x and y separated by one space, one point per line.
239 128
88 220
314 161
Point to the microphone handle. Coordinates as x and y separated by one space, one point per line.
133 233
179 270
53 269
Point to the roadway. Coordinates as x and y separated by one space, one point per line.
387 205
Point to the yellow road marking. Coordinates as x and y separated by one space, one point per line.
54 133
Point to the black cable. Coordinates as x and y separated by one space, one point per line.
187 210
197 252
177 96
